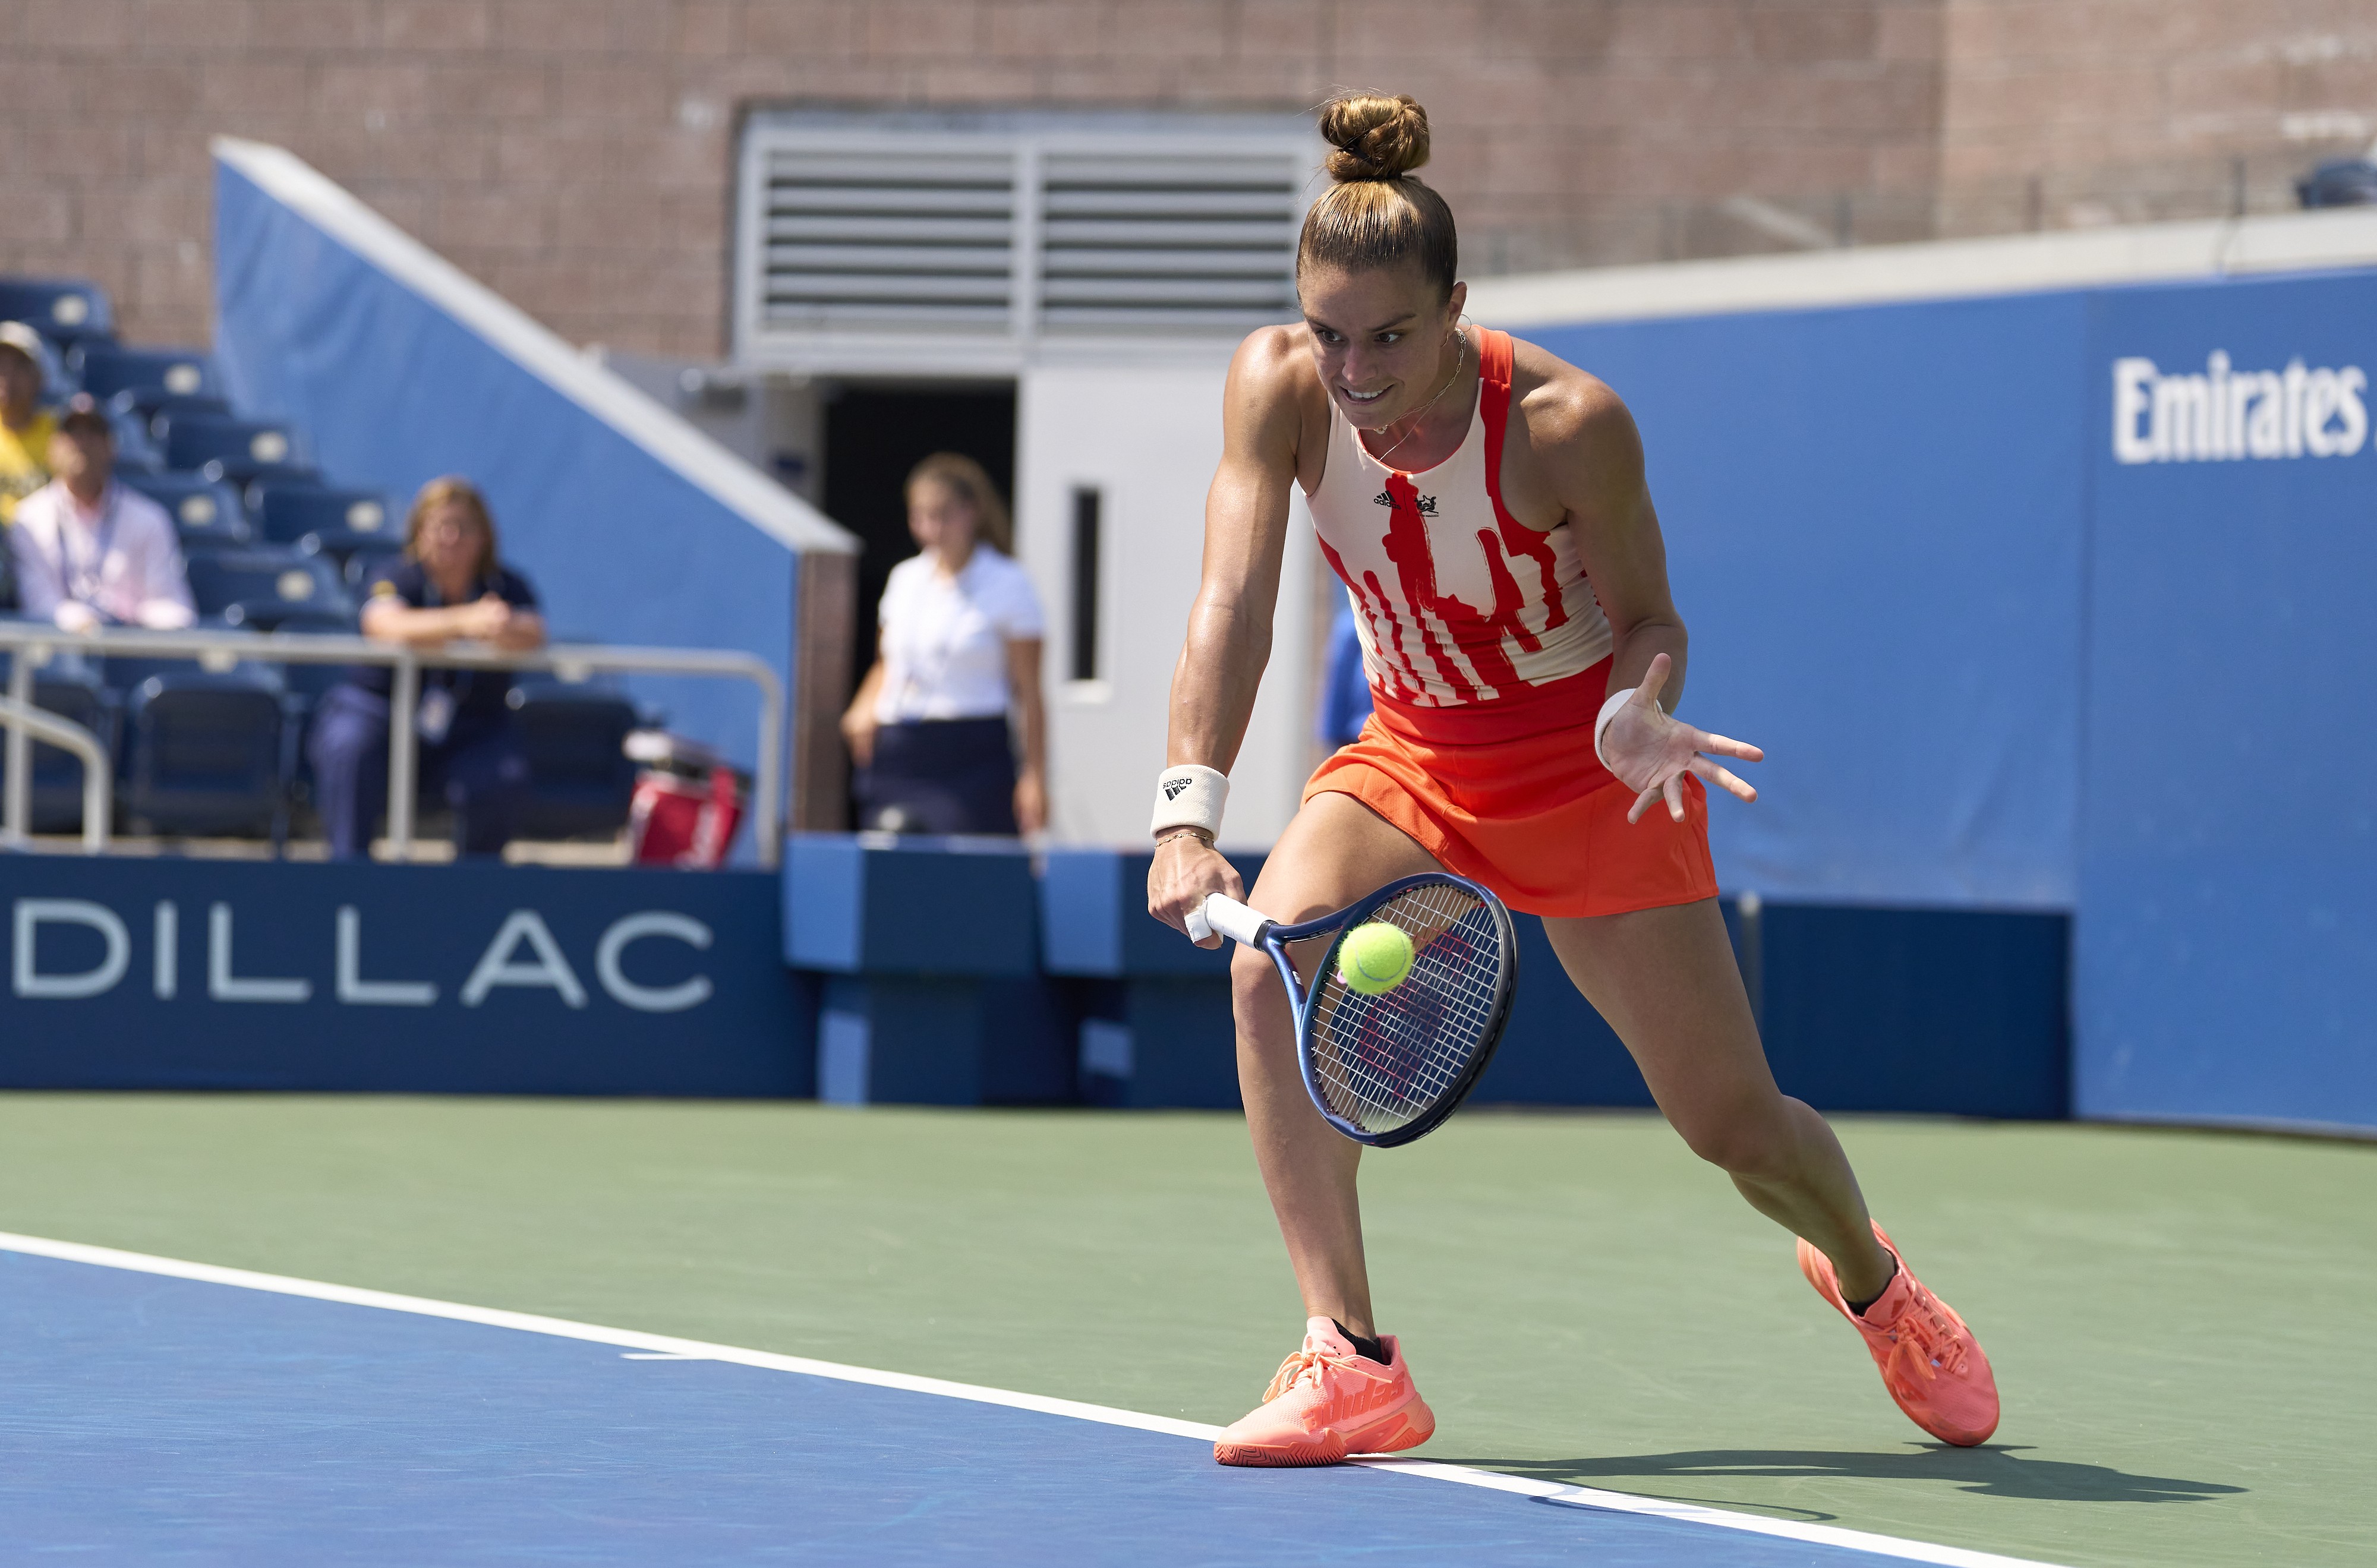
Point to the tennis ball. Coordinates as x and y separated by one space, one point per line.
1374 957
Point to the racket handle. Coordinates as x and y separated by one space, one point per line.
1222 914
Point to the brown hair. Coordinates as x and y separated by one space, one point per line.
966 479
453 490
83 420
1378 214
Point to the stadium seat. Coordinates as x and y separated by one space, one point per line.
270 589
208 516
363 565
580 779
136 451
250 476
324 521
2343 182
204 754
241 449
107 371
66 311
145 408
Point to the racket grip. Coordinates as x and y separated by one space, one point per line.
1222 914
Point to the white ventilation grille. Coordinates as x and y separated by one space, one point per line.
889 239
1203 242
872 242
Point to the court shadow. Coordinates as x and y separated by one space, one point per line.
1992 1471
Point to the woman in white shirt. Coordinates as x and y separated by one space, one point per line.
958 653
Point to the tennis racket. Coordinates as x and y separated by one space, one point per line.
1386 1068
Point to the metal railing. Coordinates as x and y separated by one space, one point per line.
35 645
98 779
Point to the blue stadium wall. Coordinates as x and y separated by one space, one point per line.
2009 655
2069 804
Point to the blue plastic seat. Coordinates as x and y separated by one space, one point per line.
363 566
243 448
208 516
320 520
270 589
107 371
2342 181
64 309
145 409
580 779
204 754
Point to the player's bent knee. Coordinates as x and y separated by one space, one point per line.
1256 996
1741 1139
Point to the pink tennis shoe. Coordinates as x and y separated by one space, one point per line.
1929 1361
1328 1402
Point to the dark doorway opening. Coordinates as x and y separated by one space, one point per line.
874 435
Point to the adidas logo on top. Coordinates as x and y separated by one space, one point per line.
1427 502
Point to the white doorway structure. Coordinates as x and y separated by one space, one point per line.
1104 265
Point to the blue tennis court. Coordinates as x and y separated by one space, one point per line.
162 1412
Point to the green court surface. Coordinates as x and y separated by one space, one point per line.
2180 1322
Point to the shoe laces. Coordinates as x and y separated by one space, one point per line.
1309 1363
1925 1340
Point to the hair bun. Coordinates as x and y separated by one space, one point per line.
1376 138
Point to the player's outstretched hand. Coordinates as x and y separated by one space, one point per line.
1650 753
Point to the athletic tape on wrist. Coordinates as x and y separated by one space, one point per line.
1189 796
1601 723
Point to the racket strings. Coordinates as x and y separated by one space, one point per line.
1384 1061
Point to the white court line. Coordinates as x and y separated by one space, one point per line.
664 1347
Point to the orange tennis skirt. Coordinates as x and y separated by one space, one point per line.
1509 794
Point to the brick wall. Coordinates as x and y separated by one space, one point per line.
577 155
2060 114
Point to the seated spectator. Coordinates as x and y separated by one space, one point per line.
959 650
449 587
25 426
89 552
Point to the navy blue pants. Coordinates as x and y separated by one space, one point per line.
939 775
480 772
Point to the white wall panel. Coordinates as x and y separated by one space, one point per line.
1148 438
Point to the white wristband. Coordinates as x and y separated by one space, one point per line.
1601 723
1189 796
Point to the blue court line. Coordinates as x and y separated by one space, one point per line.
162 1411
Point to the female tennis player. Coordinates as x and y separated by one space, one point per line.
1484 504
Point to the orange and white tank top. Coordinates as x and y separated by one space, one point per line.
1456 601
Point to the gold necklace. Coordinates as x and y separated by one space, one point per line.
1459 358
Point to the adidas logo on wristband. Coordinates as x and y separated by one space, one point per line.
1189 795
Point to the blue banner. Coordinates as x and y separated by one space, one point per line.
206 974
2226 940
1874 523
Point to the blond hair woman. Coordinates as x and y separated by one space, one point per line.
948 729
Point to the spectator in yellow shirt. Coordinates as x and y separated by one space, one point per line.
25 427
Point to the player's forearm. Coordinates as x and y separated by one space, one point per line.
1632 648
1213 685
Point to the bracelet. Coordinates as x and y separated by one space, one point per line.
1189 796
1198 833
